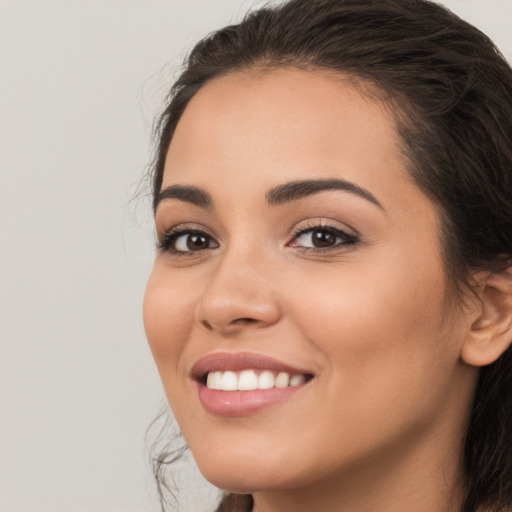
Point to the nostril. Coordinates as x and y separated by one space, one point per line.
206 325
245 320
237 322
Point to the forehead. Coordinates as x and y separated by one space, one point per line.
274 126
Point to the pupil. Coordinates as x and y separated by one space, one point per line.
195 242
323 238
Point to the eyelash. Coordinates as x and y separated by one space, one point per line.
348 240
166 243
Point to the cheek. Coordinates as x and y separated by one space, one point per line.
366 297
167 321
381 331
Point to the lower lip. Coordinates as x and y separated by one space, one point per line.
243 403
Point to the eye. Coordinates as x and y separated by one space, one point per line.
186 241
322 238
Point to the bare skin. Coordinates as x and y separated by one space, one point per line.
380 425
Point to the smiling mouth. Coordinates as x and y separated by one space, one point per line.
241 384
252 379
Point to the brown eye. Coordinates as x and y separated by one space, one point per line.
323 238
196 242
187 241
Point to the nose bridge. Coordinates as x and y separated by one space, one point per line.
240 293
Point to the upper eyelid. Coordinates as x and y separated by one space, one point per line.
324 223
184 227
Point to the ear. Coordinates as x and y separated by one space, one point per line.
491 333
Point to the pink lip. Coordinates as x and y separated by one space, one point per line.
241 403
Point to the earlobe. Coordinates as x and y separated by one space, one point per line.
491 332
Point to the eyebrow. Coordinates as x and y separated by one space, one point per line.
186 193
299 189
281 194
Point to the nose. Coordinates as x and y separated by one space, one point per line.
238 296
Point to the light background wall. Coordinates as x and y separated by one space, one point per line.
80 82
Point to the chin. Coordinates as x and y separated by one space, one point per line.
250 481
248 474
237 484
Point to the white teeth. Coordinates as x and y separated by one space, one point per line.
229 381
214 380
209 381
297 380
248 380
217 380
282 380
266 380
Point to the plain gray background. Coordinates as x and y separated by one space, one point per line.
80 83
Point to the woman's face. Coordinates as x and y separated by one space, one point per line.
294 242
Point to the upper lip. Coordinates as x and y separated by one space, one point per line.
224 361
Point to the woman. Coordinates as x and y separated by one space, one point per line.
330 308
